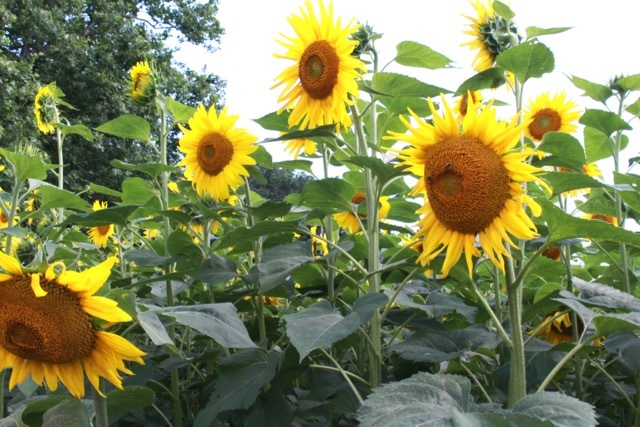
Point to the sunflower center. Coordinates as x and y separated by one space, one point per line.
214 153
545 120
51 329
104 229
318 69
467 183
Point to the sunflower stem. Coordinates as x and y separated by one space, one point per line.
60 141
517 373
100 403
331 275
564 360
3 375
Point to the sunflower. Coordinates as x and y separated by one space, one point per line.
100 235
471 177
47 327
295 147
321 82
216 152
351 222
45 109
604 218
590 169
550 114
143 83
491 34
556 328
462 104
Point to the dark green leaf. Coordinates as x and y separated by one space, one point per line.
385 172
561 409
181 113
101 189
526 60
606 122
270 210
217 269
413 54
147 258
68 413
26 167
53 197
127 126
151 169
625 345
561 182
81 130
503 10
243 235
597 145
278 263
303 165
629 83
132 397
537 31
275 121
113 215
33 413
490 78
328 193
218 321
328 131
242 376
392 84
609 323
594 91
154 327
565 148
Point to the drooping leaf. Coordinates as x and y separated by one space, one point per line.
625 345
537 31
303 165
244 235
154 327
127 126
81 130
385 172
128 399
561 409
526 60
137 191
118 215
594 91
392 84
605 295
180 112
490 78
606 122
151 169
413 54
242 376
609 323
218 321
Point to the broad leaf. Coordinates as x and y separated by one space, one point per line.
490 78
26 167
606 122
154 327
244 235
629 83
385 172
537 31
128 399
151 169
217 269
566 149
218 321
241 377
392 84
609 323
328 193
562 410
53 197
413 54
181 113
594 91
127 126
68 413
526 60
278 263
303 165
597 145
118 215
605 296
625 345
562 182
81 130
275 121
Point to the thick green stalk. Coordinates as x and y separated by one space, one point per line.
517 373
100 403
331 275
60 140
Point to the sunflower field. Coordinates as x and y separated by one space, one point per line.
461 260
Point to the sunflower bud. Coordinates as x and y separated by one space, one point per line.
45 109
144 78
364 35
497 33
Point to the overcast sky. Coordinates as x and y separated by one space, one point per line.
601 43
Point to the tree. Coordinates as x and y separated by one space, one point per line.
87 48
280 183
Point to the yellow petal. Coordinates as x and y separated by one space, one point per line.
35 285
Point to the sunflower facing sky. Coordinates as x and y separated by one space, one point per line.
550 114
47 327
471 177
321 82
100 235
216 152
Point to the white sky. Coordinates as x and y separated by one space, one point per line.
600 45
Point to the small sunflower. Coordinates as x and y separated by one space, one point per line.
556 328
349 221
143 79
550 114
216 152
100 235
45 109
47 327
590 169
295 147
491 34
462 104
604 218
321 82
472 177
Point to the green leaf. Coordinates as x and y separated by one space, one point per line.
218 321
329 193
490 78
101 189
279 262
385 172
26 167
562 182
503 10
537 31
625 346
630 196
132 397
403 211
151 169
275 121
181 113
420 400
328 131
630 82
319 325
562 410
526 60
242 235
147 258
34 411
217 269
127 126
137 191
81 130
597 145
565 148
594 91
392 84
68 413
564 226
439 304
607 324
303 165
634 108
154 327
270 210
605 296
606 122
413 54
262 157
53 197
113 215
241 377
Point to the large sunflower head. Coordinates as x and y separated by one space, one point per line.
471 176
216 152
143 78
47 327
550 114
321 82
45 109
491 34
100 235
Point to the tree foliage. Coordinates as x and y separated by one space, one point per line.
87 49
